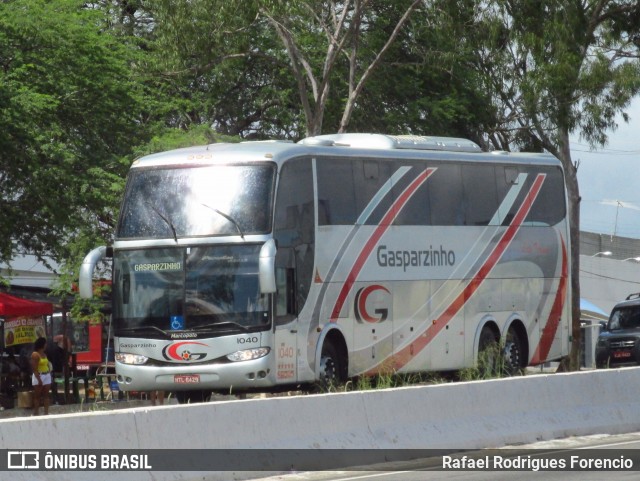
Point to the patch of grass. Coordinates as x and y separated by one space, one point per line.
392 379
491 365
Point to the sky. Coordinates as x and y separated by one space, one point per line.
609 179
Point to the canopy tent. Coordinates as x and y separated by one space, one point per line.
11 306
591 312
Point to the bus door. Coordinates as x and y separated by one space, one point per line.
294 233
285 342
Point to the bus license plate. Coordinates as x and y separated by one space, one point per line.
186 378
621 354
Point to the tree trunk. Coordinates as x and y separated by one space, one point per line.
573 193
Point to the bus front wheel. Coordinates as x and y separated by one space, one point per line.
330 368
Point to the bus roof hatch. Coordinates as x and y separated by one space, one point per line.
382 141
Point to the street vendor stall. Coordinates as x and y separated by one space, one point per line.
12 306
22 323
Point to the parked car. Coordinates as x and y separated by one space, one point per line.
619 342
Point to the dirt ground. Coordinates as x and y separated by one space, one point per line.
16 412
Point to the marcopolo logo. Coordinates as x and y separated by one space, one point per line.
182 351
373 299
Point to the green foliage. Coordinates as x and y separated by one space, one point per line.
171 139
216 63
223 64
491 364
559 68
426 84
68 111
389 379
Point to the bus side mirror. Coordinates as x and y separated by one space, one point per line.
266 267
85 282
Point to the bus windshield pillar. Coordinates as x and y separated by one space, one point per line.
266 266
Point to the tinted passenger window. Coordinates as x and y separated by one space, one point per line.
549 207
480 192
371 175
446 196
417 211
336 192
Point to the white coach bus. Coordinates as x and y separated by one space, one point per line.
258 265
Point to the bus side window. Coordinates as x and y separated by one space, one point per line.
294 233
480 194
324 215
549 207
446 195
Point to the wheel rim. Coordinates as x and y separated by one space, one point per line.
329 369
512 353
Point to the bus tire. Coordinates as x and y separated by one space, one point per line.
488 353
192 397
329 375
513 353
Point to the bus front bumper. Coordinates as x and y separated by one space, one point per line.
233 376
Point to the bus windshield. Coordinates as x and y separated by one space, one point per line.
209 289
197 201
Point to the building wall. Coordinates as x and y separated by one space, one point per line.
609 271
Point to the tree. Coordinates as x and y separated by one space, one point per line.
556 68
316 34
217 63
69 115
426 83
265 69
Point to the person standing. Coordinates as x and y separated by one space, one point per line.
41 377
157 397
13 373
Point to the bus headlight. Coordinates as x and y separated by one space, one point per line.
248 354
126 358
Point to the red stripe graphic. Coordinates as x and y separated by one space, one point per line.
385 223
550 328
407 353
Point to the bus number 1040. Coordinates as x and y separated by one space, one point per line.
247 340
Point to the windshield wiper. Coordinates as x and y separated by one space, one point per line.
166 219
226 216
143 328
222 323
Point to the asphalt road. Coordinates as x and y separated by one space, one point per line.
623 449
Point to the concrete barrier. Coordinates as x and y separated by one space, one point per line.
470 415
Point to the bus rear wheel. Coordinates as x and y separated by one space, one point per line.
192 397
513 353
488 353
